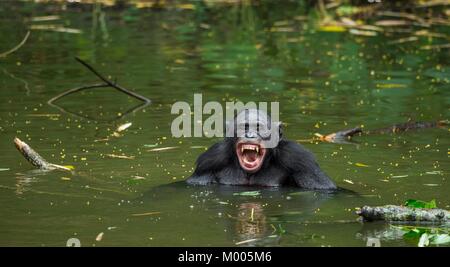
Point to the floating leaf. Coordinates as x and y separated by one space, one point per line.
99 237
55 28
348 181
439 46
162 148
390 85
246 241
248 193
45 18
399 176
186 6
119 156
404 40
434 172
413 203
363 33
123 127
361 164
203 147
438 239
332 28
392 23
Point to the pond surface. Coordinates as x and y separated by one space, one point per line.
324 82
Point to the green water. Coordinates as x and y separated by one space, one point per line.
324 82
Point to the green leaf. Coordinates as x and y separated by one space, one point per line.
248 193
413 203
438 239
413 233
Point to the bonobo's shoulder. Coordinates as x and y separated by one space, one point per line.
216 157
217 149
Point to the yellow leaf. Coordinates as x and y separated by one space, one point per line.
361 165
332 28
186 6
390 85
70 167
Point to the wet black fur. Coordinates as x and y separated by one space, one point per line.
287 164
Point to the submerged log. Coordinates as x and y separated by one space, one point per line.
34 158
393 213
345 136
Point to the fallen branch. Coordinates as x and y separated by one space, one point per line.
344 136
4 54
393 213
106 83
35 159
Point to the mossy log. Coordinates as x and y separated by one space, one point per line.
393 213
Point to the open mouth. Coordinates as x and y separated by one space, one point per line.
250 155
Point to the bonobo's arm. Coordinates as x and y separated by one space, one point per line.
211 161
302 167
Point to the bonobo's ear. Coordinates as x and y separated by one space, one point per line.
280 130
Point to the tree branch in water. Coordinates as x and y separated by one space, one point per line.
35 159
106 83
393 213
4 54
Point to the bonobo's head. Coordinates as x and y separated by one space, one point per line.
254 135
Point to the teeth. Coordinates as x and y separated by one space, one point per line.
250 147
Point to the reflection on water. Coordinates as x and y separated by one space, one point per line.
324 81
251 221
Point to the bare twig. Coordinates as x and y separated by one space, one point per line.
106 83
4 54
113 84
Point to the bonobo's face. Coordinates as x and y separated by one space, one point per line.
252 132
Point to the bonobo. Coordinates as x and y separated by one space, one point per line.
251 155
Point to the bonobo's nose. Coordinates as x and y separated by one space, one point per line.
250 135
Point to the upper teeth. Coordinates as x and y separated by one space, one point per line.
250 147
